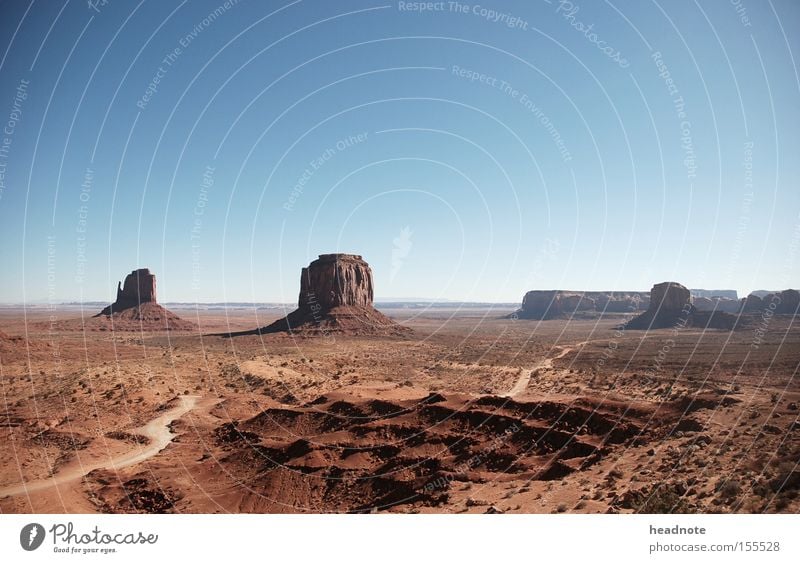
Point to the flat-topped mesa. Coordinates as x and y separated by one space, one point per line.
557 303
336 296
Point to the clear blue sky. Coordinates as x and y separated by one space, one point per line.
471 151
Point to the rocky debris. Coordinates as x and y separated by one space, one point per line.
671 307
556 303
336 296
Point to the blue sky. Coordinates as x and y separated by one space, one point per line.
468 151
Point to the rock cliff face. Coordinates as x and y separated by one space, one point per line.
136 308
669 298
790 302
335 280
751 304
554 303
139 287
336 296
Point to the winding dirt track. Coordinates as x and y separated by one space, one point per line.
157 430
522 383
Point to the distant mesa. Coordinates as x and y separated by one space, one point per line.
556 303
715 293
136 308
671 307
336 296
725 300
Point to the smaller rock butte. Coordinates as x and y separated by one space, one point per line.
336 296
671 307
136 308
140 287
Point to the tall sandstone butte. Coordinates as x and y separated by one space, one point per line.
336 280
139 287
336 296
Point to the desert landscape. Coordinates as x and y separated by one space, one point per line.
589 403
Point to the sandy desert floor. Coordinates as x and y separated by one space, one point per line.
471 412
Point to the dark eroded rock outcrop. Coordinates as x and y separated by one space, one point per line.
671 307
786 302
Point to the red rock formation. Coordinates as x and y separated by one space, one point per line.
139 287
334 280
336 294
136 308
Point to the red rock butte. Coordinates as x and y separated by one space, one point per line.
336 296
136 308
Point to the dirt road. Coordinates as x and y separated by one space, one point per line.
157 431
547 363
